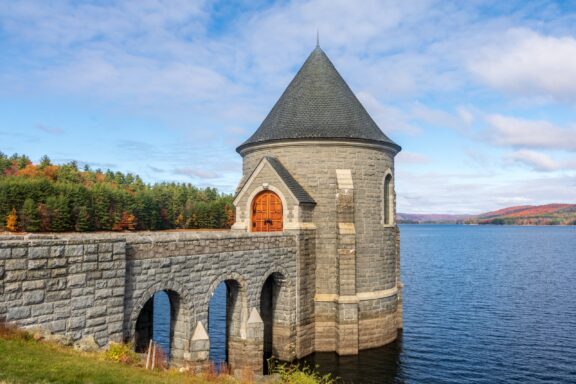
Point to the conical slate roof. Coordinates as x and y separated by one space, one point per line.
318 104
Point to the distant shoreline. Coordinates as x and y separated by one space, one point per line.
493 225
524 215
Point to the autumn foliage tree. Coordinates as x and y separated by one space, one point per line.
48 197
11 221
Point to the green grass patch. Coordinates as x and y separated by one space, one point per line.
23 359
28 361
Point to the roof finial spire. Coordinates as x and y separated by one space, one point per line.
317 38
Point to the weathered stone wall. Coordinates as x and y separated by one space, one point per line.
97 284
376 253
67 286
194 264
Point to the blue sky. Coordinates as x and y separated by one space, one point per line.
480 94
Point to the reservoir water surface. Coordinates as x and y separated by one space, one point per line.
482 304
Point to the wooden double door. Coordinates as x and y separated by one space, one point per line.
266 212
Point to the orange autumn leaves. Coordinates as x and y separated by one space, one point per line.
45 197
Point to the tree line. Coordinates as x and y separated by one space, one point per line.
45 197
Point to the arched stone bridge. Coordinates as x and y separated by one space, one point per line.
102 285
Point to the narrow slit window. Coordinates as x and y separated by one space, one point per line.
388 200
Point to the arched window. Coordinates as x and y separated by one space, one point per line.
266 212
388 200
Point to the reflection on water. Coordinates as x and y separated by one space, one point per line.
378 365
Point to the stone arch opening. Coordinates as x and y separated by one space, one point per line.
227 315
266 213
388 196
171 335
275 314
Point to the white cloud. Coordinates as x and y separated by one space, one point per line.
388 118
516 132
68 23
529 64
199 173
423 192
535 160
214 78
405 157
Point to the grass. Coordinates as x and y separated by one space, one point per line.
26 360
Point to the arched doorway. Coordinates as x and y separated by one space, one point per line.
161 320
266 213
227 313
274 313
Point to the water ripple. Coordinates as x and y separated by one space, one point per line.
482 304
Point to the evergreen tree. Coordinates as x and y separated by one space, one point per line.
52 213
64 209
29 216
82 220
44 162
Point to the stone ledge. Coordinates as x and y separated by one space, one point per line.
361 296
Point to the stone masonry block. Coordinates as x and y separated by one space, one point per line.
42 309
12 276
38 252
104 256
74 250
33 285
19 252
33 297
90 249
57 251
96 312
38 274
5 253
76 322
15 264
56 262
77 280
18 313
119 248
37 264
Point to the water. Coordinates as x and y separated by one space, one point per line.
161 320
217 324
482 304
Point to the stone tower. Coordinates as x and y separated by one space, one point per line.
319 163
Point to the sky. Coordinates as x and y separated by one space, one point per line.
481 95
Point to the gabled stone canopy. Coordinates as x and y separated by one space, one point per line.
318 104
271 175
299 193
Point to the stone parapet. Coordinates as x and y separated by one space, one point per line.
67 286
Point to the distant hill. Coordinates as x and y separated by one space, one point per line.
415 218
550 214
